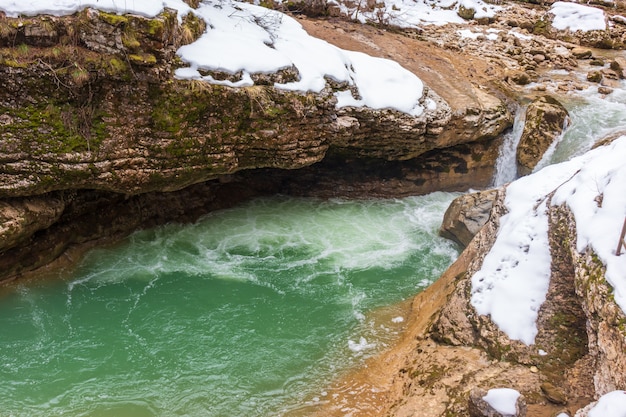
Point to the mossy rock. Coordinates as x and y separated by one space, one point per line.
466 13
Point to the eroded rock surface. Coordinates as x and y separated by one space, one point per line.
89 102
466 215
546 118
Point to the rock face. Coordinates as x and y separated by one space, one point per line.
546 118
91 115
579 323
466 215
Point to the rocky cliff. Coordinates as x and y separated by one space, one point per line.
92 118
451 353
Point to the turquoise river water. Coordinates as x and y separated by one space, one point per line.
247 312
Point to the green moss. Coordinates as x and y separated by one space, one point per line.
129 40
541 27
142 59
54 128
13 63
116 66
156 28
113 19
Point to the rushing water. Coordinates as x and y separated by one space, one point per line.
506 165
593 117
244 313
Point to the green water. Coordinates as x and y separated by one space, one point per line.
592 117
247 312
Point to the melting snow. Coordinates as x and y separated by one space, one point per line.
414 13
502 400
612 404
575 17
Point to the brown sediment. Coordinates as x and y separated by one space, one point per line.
375 387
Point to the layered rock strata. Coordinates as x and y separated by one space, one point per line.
90 111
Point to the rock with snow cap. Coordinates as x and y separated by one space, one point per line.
501 402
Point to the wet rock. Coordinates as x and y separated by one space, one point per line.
582 53
605 90
594 76
545 120
619 66
20 218
466 215
553 394
466 13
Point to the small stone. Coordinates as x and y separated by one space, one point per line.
605 90
553 394
594 76
538 58
582 53
597 62
519 77
534 369
466 13
619 66
606 82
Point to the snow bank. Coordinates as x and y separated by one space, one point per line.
514 278
502 400
612 404
599 225
575 17
147 8
245 39
414 13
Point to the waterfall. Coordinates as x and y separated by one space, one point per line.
506 166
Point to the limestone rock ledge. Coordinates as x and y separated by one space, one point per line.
90 110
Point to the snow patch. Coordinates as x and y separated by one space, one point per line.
596 197
147 8
612 404
243 39
502 400
513 280
575 17
415 13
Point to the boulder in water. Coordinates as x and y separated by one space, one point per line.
545 120
466 215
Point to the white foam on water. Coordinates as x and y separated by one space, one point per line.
593 117
361 345
506 164
333 259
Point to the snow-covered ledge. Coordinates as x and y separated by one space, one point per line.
242 39
513 281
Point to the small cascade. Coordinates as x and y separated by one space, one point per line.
506 166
